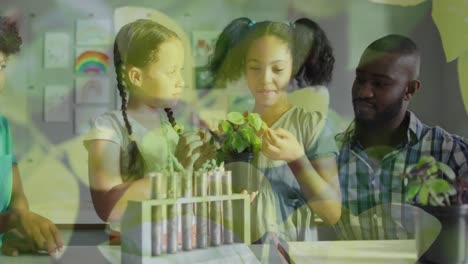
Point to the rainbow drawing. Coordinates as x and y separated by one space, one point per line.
92 61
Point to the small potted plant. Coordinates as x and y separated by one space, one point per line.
443 198
240 136
240 140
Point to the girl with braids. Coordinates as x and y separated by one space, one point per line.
21 231
297 163
124 146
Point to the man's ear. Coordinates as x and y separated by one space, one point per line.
412 89
135 76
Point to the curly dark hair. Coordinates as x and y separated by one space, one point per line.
228 60
316 53
310 48
10 40
225 63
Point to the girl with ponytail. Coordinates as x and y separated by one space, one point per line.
124 146
309 89
298 160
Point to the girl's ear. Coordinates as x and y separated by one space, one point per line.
135 76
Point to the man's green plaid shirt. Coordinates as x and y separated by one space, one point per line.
369 188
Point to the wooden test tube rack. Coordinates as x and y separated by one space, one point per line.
136 229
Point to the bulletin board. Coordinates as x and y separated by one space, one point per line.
70 78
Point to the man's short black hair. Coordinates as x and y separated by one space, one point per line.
10 40
395 44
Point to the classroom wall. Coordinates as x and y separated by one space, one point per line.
53 160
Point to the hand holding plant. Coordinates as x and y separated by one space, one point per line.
280 144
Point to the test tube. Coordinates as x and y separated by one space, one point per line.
172 224
187 212
201 185
228 224
156 213
215 208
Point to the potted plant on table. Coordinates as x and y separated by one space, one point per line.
240 138
443 198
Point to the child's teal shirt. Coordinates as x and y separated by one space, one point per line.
7 158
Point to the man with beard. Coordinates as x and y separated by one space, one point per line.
384 139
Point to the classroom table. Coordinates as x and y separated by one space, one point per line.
389 251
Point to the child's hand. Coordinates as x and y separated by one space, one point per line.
252 195
15 243
188 149
41 231
280 144
207 150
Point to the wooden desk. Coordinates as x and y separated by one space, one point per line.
329 252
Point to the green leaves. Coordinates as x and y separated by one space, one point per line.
236 118
235 142
225 126
439 185
239 143
255 121
240 133
425 160
424 182
424 195
412 191
445 169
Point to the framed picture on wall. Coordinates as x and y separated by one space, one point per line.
92 90
203 43
203 77
57 100
83 114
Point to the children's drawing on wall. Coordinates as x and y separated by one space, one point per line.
92 90
84 114
94 32
57 103
203 46
398 2
451 18
92 60
56 50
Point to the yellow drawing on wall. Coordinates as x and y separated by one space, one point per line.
318 8
463 78
451 18
398 2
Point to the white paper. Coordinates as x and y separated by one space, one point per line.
94 32
57 103
92 90
56 50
